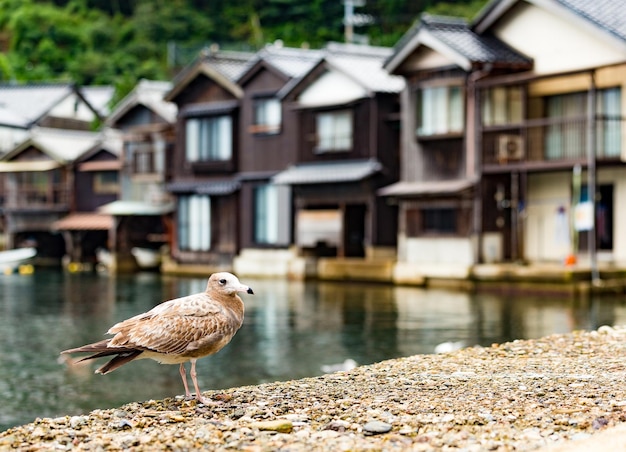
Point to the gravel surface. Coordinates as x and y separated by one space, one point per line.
522 395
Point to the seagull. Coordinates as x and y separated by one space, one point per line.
176 331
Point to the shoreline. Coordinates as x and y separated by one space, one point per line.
520 395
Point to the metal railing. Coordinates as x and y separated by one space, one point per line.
551 140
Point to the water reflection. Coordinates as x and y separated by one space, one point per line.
291 329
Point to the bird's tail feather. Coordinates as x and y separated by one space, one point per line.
100 349
121 359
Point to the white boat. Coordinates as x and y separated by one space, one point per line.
146 258
10 260
104 257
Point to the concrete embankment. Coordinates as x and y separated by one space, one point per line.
563 391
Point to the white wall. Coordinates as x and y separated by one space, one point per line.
544 239
556 42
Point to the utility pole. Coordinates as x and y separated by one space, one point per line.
351 20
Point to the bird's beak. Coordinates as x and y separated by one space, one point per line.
250 291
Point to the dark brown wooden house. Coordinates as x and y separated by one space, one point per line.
96 183
268 144
40 187
205 162
347 111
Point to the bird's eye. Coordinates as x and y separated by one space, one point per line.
222 281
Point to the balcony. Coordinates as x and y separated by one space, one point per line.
550 142
37 199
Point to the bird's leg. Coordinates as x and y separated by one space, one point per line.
195 384
183 375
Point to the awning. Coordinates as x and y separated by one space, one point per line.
128 208
100 165
28 165
432 188
328 172
84 222
214 188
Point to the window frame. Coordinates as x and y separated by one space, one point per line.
217 131
267 115
443 113
329 136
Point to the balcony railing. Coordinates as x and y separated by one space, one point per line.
36 198
551 140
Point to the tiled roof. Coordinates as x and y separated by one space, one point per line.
99 97
84 222
292 62
328 172
456 35
477 48
609 15
22 105
65 146
369 72
148 93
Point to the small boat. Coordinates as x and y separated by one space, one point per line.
105 258
146 258
10 260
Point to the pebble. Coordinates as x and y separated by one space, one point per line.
376 427
521 395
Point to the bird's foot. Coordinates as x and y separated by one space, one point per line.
206 401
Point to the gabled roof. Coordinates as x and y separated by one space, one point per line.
607 16
148 93
99 98
453 38
362 64
289 62
22 105
63 146
223 67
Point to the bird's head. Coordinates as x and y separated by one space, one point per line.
227 284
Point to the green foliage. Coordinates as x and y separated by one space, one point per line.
120 41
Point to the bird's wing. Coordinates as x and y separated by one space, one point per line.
174 327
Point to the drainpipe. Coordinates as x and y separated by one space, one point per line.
591 175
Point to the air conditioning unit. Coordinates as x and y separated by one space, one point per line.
510 147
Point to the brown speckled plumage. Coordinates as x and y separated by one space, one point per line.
176 331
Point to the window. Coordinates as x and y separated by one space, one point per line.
266 214
267 115
431 221
566 137
609 112
194 223
209 139
439 110
334 131
502 105
142 157
105 182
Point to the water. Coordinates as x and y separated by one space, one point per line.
291 329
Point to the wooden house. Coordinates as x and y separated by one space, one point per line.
50 105
41 187
205 162
142 214
268 144
346 112
508 123
85 229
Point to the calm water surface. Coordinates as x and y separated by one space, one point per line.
291 329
